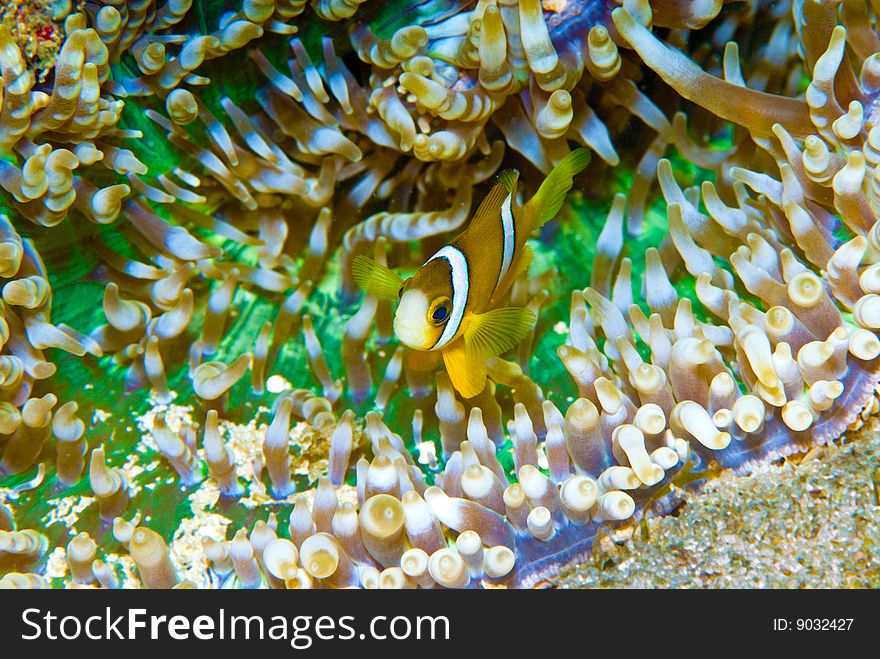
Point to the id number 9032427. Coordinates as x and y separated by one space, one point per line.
812 624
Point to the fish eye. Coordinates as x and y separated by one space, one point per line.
440 314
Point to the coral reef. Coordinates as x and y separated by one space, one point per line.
36 31
209 402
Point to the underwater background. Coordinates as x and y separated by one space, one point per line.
194 392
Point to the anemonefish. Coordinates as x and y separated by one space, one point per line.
452 307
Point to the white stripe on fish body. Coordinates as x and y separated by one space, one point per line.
508 230
458 267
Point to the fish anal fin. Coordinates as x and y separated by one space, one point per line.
375 278
422 360
495 332
549 198
468 376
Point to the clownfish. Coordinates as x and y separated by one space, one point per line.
452 307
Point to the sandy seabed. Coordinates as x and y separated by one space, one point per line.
812 521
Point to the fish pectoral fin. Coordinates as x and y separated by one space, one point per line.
422 360
375 278
467 375
495 332
547 201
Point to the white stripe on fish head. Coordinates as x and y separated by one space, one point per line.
458 274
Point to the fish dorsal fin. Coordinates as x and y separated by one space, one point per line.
490 208
468 376
547 201
508 179
495 332
375 278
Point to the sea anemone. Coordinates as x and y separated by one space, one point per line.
199 227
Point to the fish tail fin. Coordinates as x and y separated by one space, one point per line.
547 201
375 278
